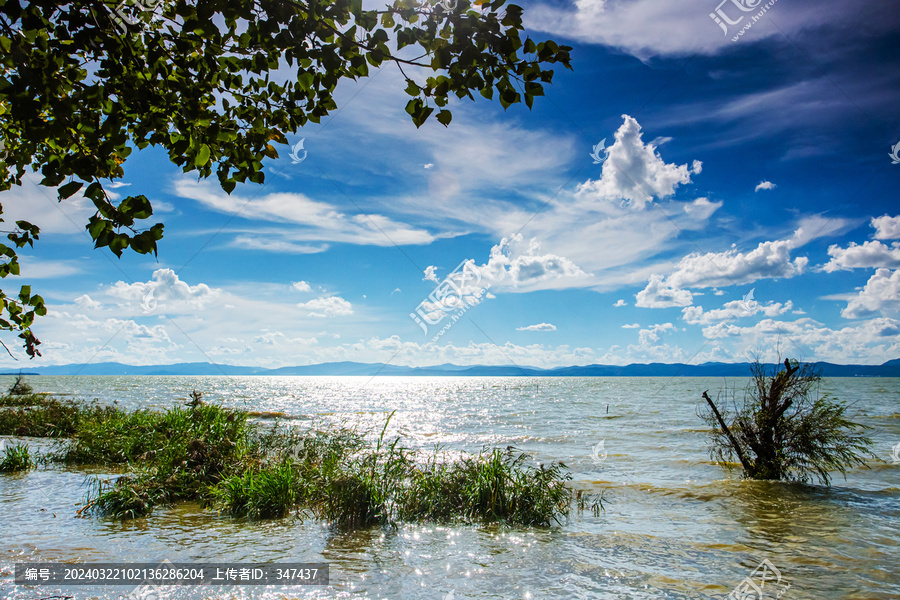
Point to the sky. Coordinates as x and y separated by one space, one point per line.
691 191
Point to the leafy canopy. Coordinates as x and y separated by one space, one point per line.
85 83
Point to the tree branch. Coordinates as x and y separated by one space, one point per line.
734 444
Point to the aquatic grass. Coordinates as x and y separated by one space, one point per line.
123 498
178 455
219 457
368 487
493 486
16 458
259 494
26 400
53 419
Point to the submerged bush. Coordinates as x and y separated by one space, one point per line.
15 458
19 387
783 432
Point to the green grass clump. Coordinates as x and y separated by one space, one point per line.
259 493
26 400
494 486
50 419
15 458
220 458
349 483
177 455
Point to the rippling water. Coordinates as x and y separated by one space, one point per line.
675 526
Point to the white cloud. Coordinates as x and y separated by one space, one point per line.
647 28
317 221
279 246
659 295
37 268
620 302
277 338
868 342
886 227
649 348
538 327
329 306
633 173
735 309
430 274
817 226
632 326
514 266
301 286
868 255
428 165
38 205
765 185
880 296
721 269
170 293
88 303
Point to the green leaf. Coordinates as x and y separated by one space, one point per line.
202 157
69 189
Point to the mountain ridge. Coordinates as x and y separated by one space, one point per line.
890 368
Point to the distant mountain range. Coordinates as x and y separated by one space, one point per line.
888 369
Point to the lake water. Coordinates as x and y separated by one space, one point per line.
676 525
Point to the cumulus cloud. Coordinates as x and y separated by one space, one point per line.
881 295
868 255
720 269
86 302
515 263
538 327
658 294
869 342
430 274
631 326
329 306
620 302
634 172
166 291
765 185
886 227
301 286
730 311
654 332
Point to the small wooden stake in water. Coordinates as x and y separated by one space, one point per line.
607 409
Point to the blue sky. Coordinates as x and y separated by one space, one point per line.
759 165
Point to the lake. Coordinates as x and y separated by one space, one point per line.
676 525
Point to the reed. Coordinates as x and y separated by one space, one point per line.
51 419
16 458
220 458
